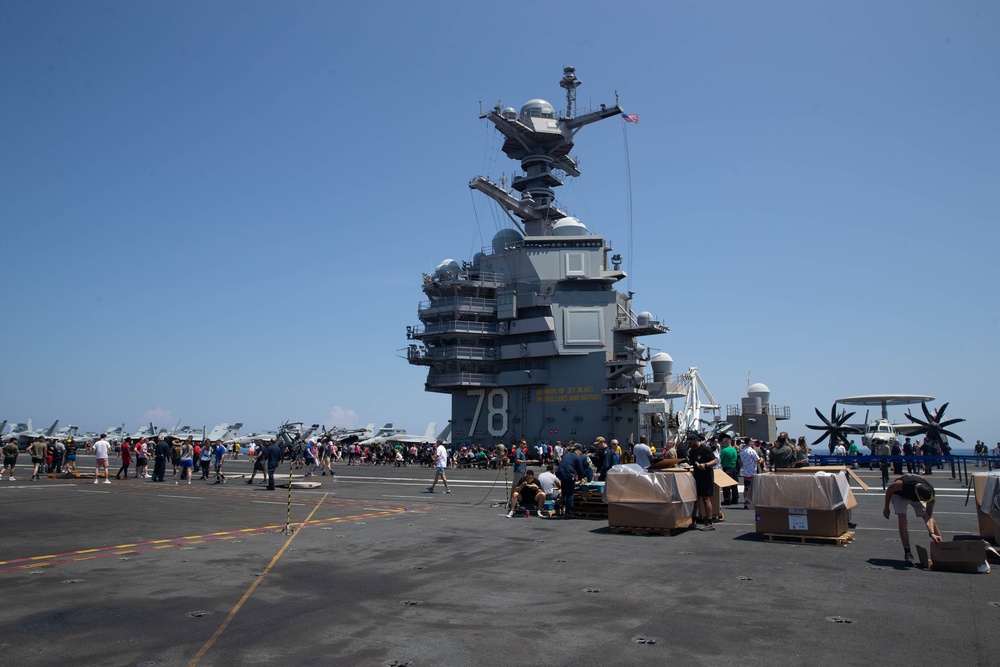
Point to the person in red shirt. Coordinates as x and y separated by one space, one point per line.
126 455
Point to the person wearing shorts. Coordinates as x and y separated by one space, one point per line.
101 450
187 462
70 456
703 461
916 492
220 457
37 451
440 464
10 452
528 489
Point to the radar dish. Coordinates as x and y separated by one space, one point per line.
884 399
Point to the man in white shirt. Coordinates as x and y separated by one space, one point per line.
549 483
749 459
642 453
101 450
440 464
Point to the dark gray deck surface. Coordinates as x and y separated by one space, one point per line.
386 574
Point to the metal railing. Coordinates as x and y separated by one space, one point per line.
461 352
459 303
463 379
456 326
958 465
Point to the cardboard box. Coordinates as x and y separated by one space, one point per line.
818 491
629 483
650 515
964 556
802 521
721 480
641 499
985 485
816 503
812 469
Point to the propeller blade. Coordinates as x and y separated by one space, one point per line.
952 435
820 439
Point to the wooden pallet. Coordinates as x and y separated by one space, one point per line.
646 530
590 513
840 540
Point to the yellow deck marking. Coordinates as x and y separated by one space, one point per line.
253 587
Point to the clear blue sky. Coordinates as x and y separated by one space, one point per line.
221 211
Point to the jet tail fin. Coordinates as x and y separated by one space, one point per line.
429 433
445 434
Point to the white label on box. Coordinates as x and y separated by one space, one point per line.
798 522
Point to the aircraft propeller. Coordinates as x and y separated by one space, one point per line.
934 428
835 427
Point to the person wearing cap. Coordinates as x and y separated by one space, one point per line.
916 492
702 460
605 459
571 470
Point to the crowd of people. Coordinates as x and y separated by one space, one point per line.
564 468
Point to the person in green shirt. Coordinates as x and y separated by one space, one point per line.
782 454
853 451
37 451
728 458
10 452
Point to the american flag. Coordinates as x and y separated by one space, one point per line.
630 118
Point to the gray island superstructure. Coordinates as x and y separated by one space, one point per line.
531 338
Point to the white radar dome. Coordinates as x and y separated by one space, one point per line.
662 363
477 259
759 390
505 238
644 318
569 226
447 266
510 113
537 109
